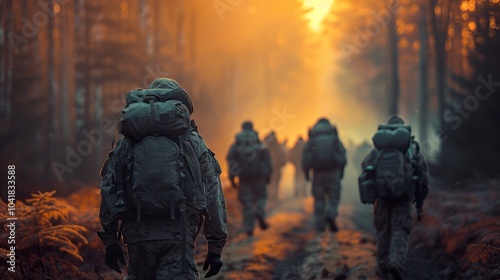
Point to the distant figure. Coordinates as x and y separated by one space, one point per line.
397 172
249 160
295 157
326 156
278 159
162 182
360 153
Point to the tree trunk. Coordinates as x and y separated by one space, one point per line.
423 77
8 68
2 69
440 31
156 29
50 93
64 79
394 63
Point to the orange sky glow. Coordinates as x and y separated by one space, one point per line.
319 9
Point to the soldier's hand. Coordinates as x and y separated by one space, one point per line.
215 263
113 254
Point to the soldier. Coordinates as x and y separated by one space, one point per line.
360 153
295 158
392 211
326 156
162 247
278 160
249 160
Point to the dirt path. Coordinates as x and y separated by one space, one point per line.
291 248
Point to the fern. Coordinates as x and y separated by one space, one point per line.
45 239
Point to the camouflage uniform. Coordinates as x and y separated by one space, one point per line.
393 221
154 243
253 195
326 186
278 160
300 183
252 191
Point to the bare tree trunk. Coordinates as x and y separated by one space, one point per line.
2 68
440 31
8 68
88 100
394 63
64 79
79 85
50 94
156 29
423 77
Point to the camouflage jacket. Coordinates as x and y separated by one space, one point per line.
163 228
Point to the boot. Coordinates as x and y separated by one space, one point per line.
395 271
262 223
333 225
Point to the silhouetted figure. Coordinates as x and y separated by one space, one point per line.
295 157
278 159
163 188
397 172
249 159
360 153
326 156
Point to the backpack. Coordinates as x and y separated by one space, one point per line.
393 169
249 155
327 151
162 167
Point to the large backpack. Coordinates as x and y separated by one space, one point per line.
327 150
393 162
162 168
249 155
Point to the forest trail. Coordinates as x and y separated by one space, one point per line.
292 249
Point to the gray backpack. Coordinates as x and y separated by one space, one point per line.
163 169
393 162
249 155
327 150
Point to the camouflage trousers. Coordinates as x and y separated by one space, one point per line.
393 222
252 194
300 183
274 184
326 193
160 259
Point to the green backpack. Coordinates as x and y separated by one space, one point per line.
393 167
162 168
248 159
327 150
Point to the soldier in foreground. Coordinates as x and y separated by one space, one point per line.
250 161
326 156
162 182
394 175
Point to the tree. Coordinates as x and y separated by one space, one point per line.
423 73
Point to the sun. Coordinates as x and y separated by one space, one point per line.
319 9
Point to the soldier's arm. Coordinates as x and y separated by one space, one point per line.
424 176
231 160
108 217
268 162
306 157
214 227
